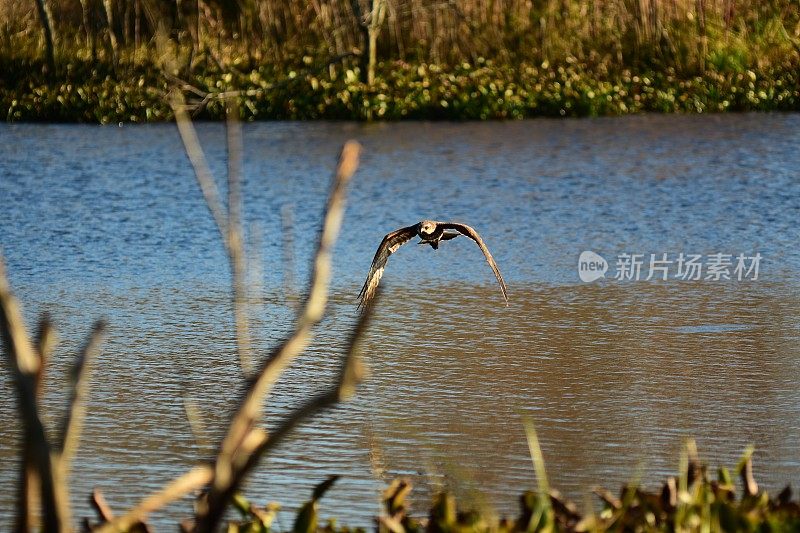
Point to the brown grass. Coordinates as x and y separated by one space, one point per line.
680 33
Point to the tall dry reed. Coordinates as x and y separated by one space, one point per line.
682 33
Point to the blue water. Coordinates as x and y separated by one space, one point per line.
109 222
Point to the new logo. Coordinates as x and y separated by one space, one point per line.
591 266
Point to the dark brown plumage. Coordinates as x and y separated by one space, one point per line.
430 232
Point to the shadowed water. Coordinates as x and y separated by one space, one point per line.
108 222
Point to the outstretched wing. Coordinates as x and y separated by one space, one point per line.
389 245
472 234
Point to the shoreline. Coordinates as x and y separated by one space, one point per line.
137 93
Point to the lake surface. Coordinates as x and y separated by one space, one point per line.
615 374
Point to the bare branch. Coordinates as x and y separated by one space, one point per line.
230 224
233 130
258 443
202 171
46 339
81 374
235 237
287 240
194 479
351 374
29 488
76 412
25 364
313 310
100 505
24 358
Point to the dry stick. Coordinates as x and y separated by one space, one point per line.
313 310
73 423
15 337
351 374
46 339
229 225
192 480
46 19
255 441
198 160
235 238
25 363
112 35
29 488
287 240
100 505
258 443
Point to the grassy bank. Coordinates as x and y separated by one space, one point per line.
691 501
401 90
116 60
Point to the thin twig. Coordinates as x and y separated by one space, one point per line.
313 310
229 224
29 487
197 158
76 412
287 249
46 339
25 364
235 237
73 423
194 479
351 374
101 507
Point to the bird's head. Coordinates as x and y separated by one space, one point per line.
426 227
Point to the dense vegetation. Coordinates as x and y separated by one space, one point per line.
116 60
692 501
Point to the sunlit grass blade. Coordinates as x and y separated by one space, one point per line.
542 517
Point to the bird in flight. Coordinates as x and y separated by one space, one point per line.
430 232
